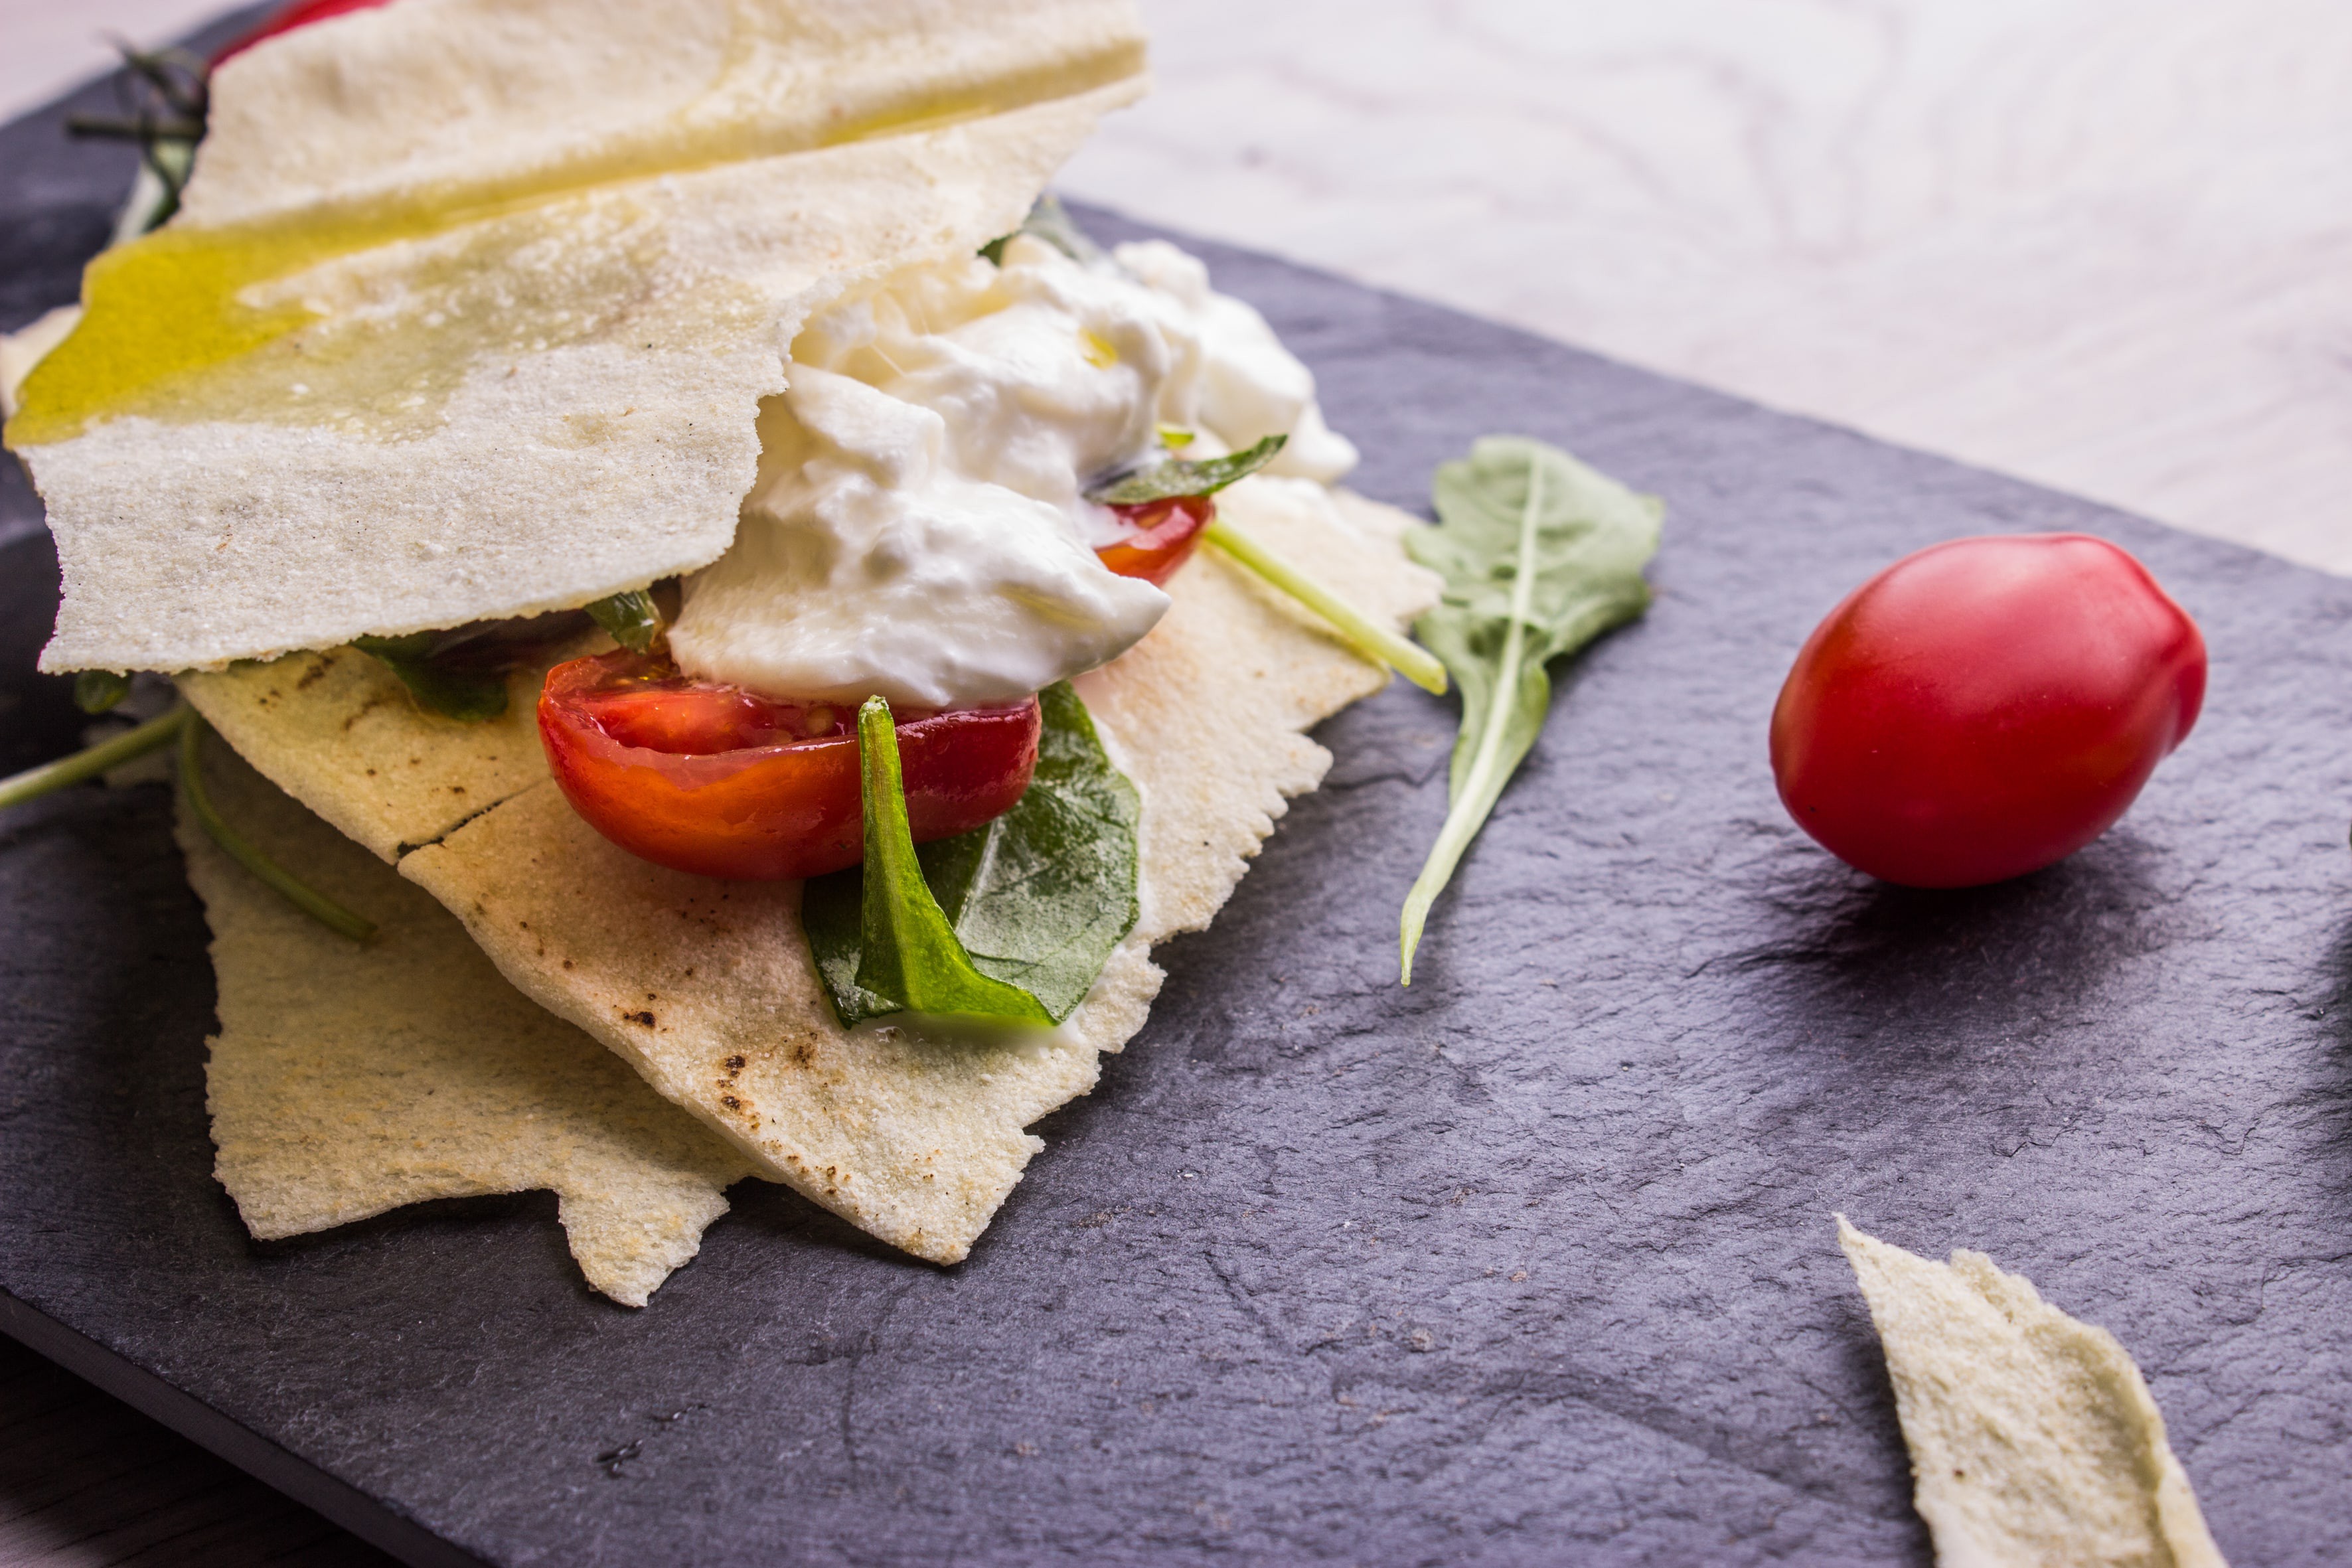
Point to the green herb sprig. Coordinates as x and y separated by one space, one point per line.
166 102
1177 478
183 725
463 672
1180 477
1050 221
440 675
93 761
243 851
99 690
1540 554
630 618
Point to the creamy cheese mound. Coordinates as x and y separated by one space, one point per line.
918 529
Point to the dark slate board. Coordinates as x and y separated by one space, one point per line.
1529 1264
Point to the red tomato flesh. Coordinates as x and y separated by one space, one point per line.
1166 531
1984 708
300 15
724 783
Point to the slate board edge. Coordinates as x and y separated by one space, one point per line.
337 1500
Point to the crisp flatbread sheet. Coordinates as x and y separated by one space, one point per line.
435 102
348 1080
510 370
707 988
2035 1442
339 731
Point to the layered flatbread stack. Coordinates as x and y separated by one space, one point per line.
481 308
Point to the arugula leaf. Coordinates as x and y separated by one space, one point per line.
630 618
1186 476
167 100
1182 477
1036 899
1540 555
462 673
1050 221
98 690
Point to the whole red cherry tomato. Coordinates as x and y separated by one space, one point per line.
1165 534
1984 708
299 15
724 783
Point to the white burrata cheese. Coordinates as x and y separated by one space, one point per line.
918 529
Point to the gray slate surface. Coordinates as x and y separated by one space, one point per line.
1532 1263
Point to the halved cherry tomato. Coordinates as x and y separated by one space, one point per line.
1166 533
725 782
1984 708
299 15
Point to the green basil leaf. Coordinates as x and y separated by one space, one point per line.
462 673
1036 899
1540 554
909 958
1180 477
455 689
629 619
1048 220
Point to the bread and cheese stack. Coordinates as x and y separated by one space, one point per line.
469 313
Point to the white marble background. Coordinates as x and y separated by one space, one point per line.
2103 243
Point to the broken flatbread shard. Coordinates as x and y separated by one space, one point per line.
350 1080
443 102
2033 1439
305 412
338 731
707 987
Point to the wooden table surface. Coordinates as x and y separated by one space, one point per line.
2102 243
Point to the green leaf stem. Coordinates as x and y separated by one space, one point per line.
182 725
93 760
1358 630
242 850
